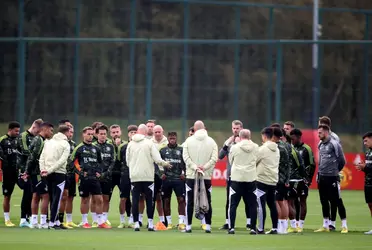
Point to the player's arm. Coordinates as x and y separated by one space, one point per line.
213 158
300 164
231 155
340 157
35 149
183 164
99 160
122 149
62 160
309 162
155 155
75 161
187 159
113 159
288 165
1 157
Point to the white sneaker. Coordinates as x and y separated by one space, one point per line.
44 226
369 232
35 226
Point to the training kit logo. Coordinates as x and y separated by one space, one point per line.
346 177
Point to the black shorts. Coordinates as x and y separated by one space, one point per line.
106 187
89 187
329 188
10 179
368 194
39 185
297 189
125 187
157 184
71 185
115 181
178 186
281 192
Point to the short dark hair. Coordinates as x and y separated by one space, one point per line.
192 129
114 126
268 132
324 126
173 133
63 121
275 125
277 132
85 129
290 123
296 132
132 128
47 125
102 127
368 134
63 129
13 125
96 124
325 120
151 121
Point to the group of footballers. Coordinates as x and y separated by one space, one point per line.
98 164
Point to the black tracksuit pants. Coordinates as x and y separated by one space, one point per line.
26 199
190 200
266 195
245 190
330 197
56 185
146 188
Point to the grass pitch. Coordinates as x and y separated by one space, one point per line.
359 220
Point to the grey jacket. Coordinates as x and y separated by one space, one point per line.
201 204
331 157
335 136
225 150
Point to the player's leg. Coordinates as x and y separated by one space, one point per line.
25 202
208 215
58 182
158 198
227 206
303 207
136 192
189 190
128 210
42 193
70 201
273 211
235 194
106 194
97 198
250 200
179 189
340 206
261 204
166 191
125 189
92 207
368 199
84 203
280 206
292 197
324 201
149 191
141 207
9 181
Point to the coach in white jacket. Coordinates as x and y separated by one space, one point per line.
200 153
140 156
53 161
243 157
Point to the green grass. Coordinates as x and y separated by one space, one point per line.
359 220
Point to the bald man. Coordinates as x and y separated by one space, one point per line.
242 158
200 154
160 142
140 156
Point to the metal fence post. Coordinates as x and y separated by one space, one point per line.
278 90
132 54
365 76
148 80
21 65
270 68
76 69
185 68
237 64
316 80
